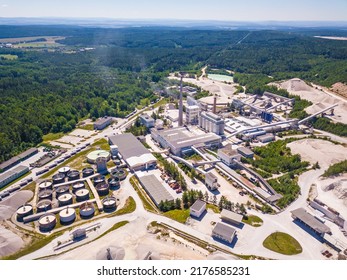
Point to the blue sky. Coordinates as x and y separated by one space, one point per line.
231 10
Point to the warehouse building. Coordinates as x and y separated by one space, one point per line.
102 123
245 152
231 217
180 140
133 152
266 138
198 208
309 220
147 121
12 175
224 232
229 156
155 189
17 159
211 181
211 122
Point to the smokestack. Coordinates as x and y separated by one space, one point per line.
180 106
214 109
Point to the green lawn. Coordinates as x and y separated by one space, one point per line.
52 136
282 243
252 220
9 56
214 208
87 126
178 215
129 207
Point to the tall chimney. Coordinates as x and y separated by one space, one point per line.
214 109
180 106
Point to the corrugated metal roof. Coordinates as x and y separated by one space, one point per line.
231 216
224 230
310 220
198 205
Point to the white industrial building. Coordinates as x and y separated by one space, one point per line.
211 122
133 152
224 232
12 175
147 121
102 123
231 217
180 140
229 156
211 181
192 114
198 208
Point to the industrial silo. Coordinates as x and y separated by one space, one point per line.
23 211
67 216
82 195
47 222
87 210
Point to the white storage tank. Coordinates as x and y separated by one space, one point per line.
87 210
77 186
44 205
65 199
82 195
109 203
23 211
67 216
45 185
47 222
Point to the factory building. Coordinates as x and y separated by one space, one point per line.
266 138
245 152
147 121
102 123
180 140
17 159
224 232
133 152
229 156
211 181
192 114
12 175
313 223
198 208
155 189
211 122
231 217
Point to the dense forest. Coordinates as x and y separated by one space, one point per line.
45 91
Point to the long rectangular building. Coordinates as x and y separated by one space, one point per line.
155 189
17 159
180 140
309 220
133 152
12 175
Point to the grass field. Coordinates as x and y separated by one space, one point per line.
87 126
52 136
129 207
214 208
9 56
178 215
282 243
253 221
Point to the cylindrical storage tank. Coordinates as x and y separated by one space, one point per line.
58 178
102 189
73 175
114 182
87 210
46 194
64 170
99 179
61 190
109 204
23 211
65 199
45 185
77 186
43 206
82 195
67 216
119 172
47 222
88 171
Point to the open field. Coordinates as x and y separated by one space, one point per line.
49 39
9 56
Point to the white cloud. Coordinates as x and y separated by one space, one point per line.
4 6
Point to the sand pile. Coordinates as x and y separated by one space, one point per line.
295 85
10 205
9 242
